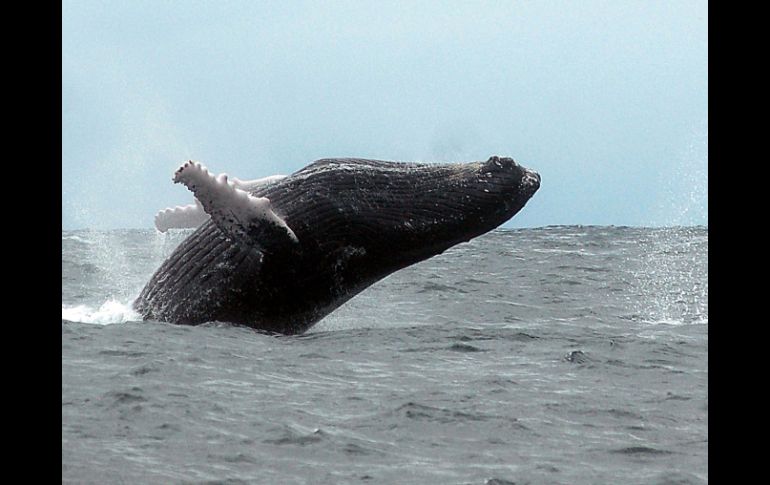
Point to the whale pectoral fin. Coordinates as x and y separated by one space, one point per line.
191 215
239 215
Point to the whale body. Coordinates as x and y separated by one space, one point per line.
280 253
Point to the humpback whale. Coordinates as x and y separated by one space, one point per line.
280 253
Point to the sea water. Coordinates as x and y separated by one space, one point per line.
566 354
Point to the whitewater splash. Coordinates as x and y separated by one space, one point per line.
111 311
104 271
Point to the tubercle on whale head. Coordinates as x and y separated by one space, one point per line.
511 182
502 166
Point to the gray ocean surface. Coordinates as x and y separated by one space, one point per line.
564 354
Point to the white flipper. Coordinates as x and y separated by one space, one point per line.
191 215
240 215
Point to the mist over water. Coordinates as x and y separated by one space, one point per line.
564 354
683 196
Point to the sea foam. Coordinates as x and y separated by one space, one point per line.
111 311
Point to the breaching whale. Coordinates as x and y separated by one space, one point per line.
280 253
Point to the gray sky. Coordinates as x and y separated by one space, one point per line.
608 100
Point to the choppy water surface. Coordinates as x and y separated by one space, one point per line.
550 355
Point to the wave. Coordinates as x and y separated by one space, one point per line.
73 237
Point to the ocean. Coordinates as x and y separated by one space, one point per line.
561 354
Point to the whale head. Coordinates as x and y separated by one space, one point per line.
390 214
457 202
